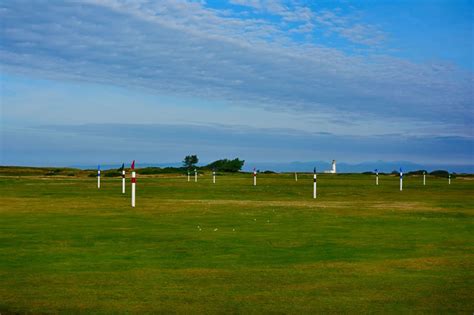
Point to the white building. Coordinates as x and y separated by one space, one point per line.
333 169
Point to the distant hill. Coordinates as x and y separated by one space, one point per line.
321 166
355 168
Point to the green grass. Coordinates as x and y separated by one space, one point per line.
66 247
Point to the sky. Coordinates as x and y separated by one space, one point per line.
88 82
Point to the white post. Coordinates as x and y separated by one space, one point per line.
195 176
98 178
449 179
376 177
123 181
213 177
296 177
424 178
314 183
401 180
134 182
254 177
189 177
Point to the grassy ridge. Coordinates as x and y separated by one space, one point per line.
231 247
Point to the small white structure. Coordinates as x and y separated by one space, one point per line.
333 168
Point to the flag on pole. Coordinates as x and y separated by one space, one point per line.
98 176
134 182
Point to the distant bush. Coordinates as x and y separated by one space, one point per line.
52 172
440 173
268 172
226 165
112 173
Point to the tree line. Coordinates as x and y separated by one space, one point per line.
223 165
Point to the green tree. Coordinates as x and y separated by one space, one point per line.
190 161
226 165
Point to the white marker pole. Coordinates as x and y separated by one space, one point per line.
376 177
123 181
314 183
213 177
296 177
254 177
449 179
424 178
134 182
189 177
195 176
401 180
98 177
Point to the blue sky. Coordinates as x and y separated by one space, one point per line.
267 81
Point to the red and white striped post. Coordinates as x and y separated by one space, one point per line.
254 177
134 182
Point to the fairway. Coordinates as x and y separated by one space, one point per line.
230 247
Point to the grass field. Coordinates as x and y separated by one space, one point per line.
66 247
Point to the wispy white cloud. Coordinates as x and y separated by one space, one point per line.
187 48
307 19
